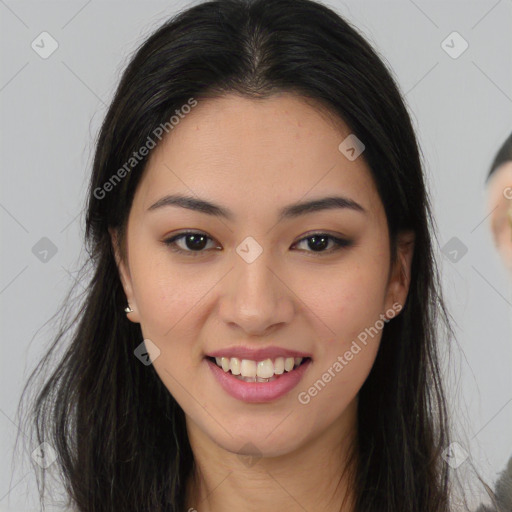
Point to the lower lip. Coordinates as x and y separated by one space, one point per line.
258 392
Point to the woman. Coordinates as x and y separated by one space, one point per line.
499 196
499 201
259 330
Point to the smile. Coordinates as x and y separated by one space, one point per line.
257 371
258 381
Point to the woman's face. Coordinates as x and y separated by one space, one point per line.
253 279
499 203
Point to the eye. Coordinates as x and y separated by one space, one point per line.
319 241
193 242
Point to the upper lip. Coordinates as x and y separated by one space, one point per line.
257 354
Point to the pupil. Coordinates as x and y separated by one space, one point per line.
314 245
195 239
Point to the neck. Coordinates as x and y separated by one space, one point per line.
314 476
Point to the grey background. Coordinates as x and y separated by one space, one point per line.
51 109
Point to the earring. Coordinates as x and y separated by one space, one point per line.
128 309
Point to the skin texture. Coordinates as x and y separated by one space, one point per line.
255 157
499 200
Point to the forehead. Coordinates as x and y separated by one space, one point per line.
257 152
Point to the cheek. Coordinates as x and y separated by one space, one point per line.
347 298
335 384
165 293
352 310
168 299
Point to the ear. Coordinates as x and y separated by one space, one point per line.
124 275
400 275
499 203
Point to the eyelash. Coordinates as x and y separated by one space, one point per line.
340 243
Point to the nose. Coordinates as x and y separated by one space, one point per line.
257 300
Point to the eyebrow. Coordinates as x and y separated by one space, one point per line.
288 212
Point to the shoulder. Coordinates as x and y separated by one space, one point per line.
503 491
504 487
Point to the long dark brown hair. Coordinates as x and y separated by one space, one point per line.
118 433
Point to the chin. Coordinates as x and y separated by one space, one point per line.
264 441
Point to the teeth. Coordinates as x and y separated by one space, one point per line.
248 368
288 364
279 366
234 366
265 369
258 371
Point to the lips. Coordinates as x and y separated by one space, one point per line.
245 373
258 392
